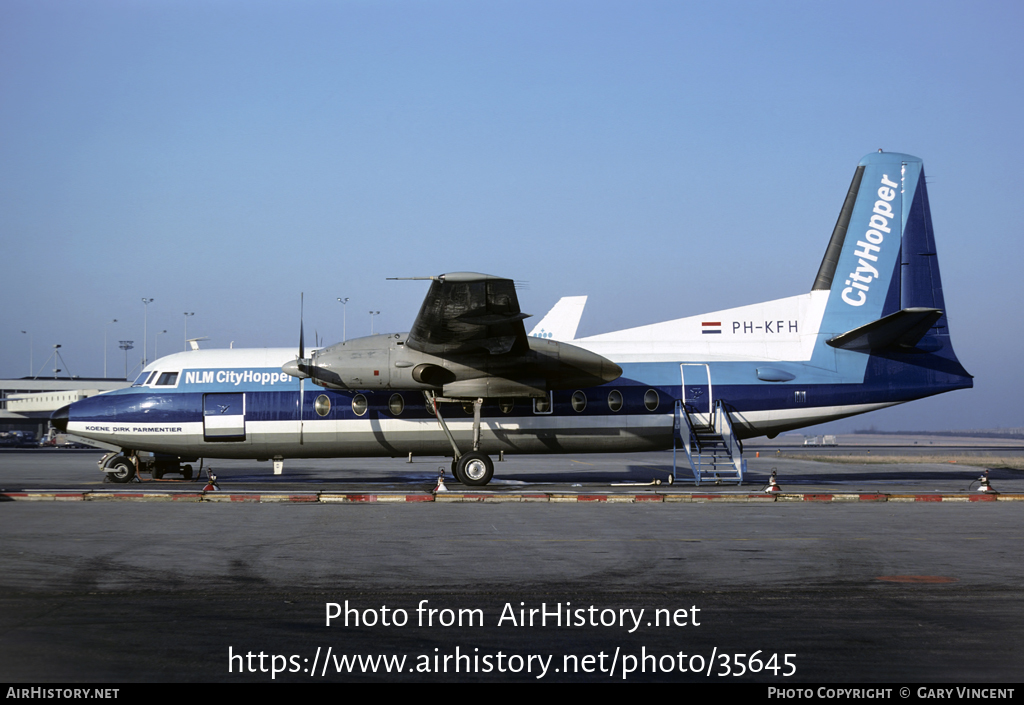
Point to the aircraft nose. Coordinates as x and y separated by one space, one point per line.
59 418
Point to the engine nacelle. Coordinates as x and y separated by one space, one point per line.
385 362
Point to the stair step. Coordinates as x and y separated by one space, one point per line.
710 451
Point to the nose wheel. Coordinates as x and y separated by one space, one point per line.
122 470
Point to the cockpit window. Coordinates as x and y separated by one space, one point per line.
168 379
141 379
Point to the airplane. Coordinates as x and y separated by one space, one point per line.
467 382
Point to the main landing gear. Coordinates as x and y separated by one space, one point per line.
474 468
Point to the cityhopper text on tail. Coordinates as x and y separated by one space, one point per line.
468 382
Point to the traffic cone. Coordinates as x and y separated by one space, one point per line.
773 485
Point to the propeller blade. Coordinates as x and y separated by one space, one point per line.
302 346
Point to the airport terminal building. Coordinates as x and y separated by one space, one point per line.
26 403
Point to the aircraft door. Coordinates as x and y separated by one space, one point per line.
696 387
224 417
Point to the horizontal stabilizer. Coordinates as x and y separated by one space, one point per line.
902 329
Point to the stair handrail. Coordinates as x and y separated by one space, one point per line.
733 445
687 438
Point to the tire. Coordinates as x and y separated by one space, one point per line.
186 472
157 473
475 469
455 470
122 471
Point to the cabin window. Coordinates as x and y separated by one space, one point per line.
615 400
506 405
322 405
167 379
800 397
651 400
396 404
542 405
579 401
359 405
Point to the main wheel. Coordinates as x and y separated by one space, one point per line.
123 470
186 472
157 472
475 469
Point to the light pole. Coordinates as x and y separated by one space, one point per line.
56 357
30 361
156 345
344 317
185 343
372 314
57 360
145 331
126 345
105 327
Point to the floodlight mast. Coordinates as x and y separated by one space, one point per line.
105 327
145 331
126 345
31 364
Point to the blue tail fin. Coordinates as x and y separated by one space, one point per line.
885 317
881 259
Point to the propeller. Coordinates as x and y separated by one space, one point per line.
301 365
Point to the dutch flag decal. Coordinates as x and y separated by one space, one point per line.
711 327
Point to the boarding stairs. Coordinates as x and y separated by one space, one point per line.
707 441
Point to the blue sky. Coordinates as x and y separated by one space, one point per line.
664 158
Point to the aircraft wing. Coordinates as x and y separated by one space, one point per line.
465 313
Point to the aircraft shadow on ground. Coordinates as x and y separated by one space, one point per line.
641 474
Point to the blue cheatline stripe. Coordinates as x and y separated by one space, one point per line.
152 406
